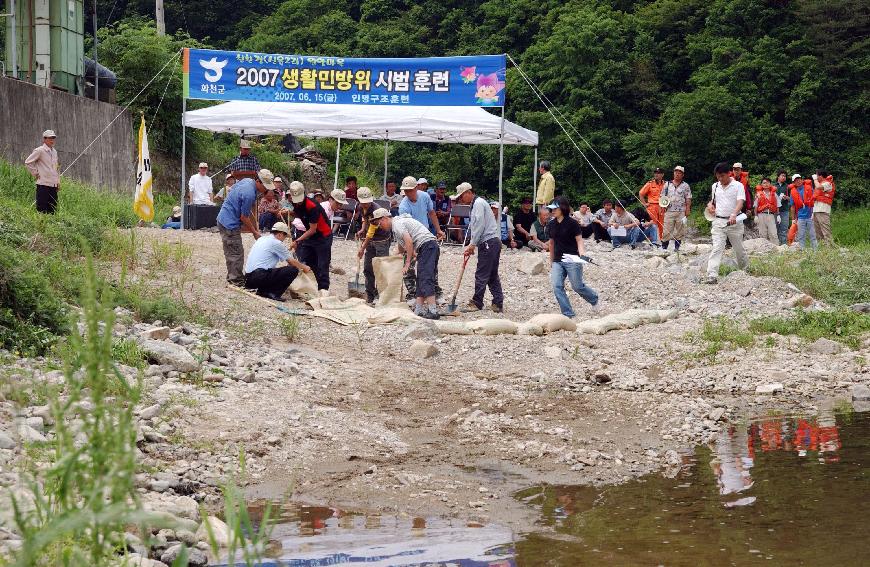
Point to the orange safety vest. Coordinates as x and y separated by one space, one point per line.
825 197
652 190
765 199
744 179
802 200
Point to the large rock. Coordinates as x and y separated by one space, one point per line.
220 531
157 333
29 434
771 388
532 264
759 246
860 307
174 355
825 346
195 557
6 442
422 349
424 329
860 393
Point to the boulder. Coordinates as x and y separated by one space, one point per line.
220 531
171 354
6 442
551 322
195 557
422 349
157 333
860 307
759 246
771 388
424 329
30 435
824 346
150 412
860 393
532 264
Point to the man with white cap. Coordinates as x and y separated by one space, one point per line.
43 165
375 240
261 273
222 193
724 208
676 202
743 178
420 247
419 205
484 236
237 211
199 187
314 245
245 161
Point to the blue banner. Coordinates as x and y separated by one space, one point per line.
477 80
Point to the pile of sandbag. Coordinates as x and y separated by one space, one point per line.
625 320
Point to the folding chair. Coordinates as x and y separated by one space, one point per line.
345 217
458 214
383 203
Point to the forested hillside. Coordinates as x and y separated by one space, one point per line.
772 83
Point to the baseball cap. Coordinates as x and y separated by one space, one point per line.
297 192
229 175
339 195
381 213
494 204
680 168
796 176
278 178
280 227
422 181
552 206
526 201
738 165
441 185
462 188
266 178
203 164
364 195
49 134
245 145
658 170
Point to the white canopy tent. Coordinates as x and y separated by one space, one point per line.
436 124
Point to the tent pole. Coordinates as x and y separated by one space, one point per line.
386 146
337 156
183 157
535 180
501 161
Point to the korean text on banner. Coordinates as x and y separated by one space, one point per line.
143 200
477 80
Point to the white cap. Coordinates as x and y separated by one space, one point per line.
280 227
680 168
796 176
266 179
494 204
422 181
409 182
203 164
339 195
49 134
462 188
552 206
297 192
229 176
176 210
244 144
381 213
364 195
278 178
738 165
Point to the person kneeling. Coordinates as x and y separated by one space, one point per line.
261 273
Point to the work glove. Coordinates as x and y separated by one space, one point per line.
778 219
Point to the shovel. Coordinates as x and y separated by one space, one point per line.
354 288
451 307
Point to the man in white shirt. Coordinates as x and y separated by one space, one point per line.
726 205
261 273
200 190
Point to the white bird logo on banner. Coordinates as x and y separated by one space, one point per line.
214 69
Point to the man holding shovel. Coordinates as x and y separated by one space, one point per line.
375 240
420 244
485 236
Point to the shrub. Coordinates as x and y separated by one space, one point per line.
842 325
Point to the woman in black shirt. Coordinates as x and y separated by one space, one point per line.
566 248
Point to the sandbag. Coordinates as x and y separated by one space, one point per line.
452 328
387 315
529 329
388 279
625 320
552 322
492 327
304 286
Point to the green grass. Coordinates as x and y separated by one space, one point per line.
837 276
843 325
851 227
717 335
289 327
128 352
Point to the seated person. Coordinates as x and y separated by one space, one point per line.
442 203
268 211
173 221
507 231
586 219
523 222
261 274
222 193
601 222
647 225
391 194
540 231
623 219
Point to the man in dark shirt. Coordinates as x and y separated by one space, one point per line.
245 161
523 221
566 249
443 204
314 246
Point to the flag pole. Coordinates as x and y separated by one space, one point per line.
183 158
501 161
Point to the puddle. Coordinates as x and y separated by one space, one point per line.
784 491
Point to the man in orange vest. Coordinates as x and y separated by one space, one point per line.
743 178
767 211
823 197
802 209
649 198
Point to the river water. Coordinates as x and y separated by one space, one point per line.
775 491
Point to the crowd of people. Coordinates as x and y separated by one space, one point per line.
419 217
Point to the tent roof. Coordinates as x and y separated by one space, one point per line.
438 124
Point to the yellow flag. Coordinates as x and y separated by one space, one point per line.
143 201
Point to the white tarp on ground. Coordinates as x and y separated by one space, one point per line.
438 124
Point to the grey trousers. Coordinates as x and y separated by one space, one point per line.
488 255
234 253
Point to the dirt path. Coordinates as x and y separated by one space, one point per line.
346 416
